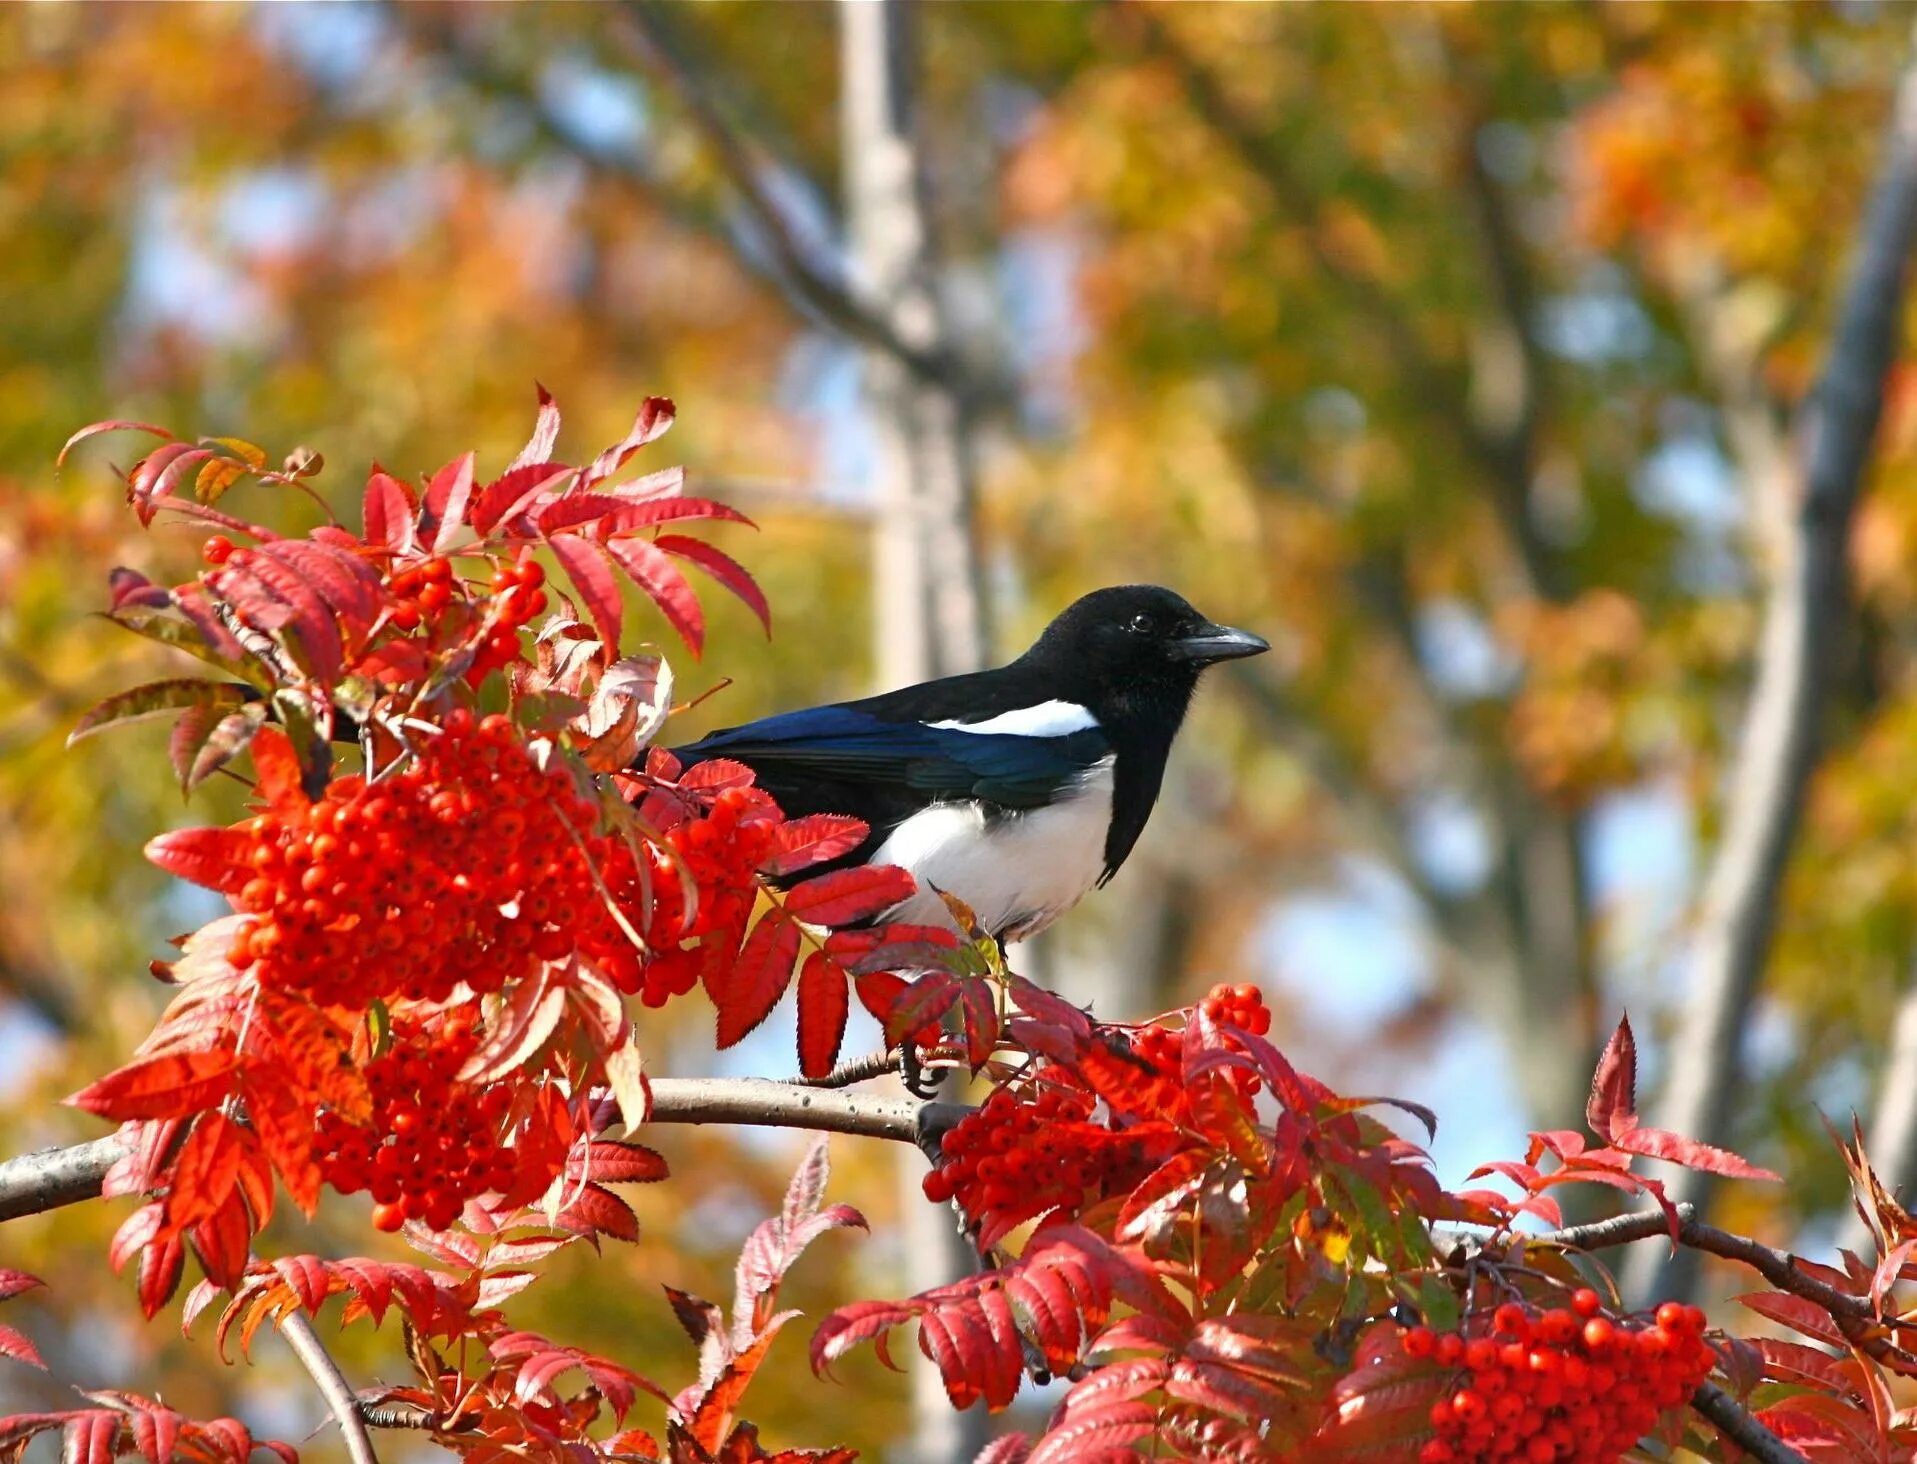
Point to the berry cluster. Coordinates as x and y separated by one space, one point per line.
1238 1006
469 867
432 1142
518 596
1568 1384
1015 1157
422 590
703 879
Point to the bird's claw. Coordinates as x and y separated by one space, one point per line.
918 1082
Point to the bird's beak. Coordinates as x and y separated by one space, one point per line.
1211 643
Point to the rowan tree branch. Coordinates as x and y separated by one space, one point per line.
1804 621
1737 1424
297 1328
51 1178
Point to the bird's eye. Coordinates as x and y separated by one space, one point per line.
1141 624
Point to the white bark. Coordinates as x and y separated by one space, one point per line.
927 614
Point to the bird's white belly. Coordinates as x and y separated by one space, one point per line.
1018 872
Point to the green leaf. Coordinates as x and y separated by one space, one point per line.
1439 1303
183 637
156 699
380 1021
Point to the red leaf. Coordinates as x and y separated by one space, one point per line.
545 433
722 567
507 498
814 839
655 416
161 1262
663 581
1797 1313
823 1001
281 782
447 496
172 1085
592 577
12 1283
345 581
216 858
980 1009
611 1161
595 1211
758 977
94 429
1675 1149
920 1006
1612 1109
269 596
19 1347
284 1122
630 517
388 511
208 1166
519 1031
846 895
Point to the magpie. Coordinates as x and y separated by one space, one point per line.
1017 789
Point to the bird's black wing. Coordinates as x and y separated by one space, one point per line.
841 759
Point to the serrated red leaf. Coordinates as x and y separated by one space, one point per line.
722 567
207 1169
824 999
616 1161
814 839
1797 1313
921 1005
538 448
94 429
280 776
665 585
347 583
17 1345
387 510
531 1015
758 977
1673 1148
591 1210
505 502
13 1283
161 1261
215 858
979 1007
171 1085
591 573
846 895
655 416
631 517
443 511
1612 1109
270 596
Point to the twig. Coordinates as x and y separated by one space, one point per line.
51 1178
826 292
1735 1422
297 1328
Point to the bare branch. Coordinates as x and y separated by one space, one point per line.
1618 1230
1737 1425
820 286
297 1328
51 1178
1804 623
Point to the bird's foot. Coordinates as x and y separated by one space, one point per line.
919 1082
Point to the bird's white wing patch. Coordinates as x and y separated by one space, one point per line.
1047 719
1018 872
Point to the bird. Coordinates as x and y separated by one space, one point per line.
1017 790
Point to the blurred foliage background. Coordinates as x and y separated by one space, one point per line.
1452 348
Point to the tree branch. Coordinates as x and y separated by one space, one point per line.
1735 1422
1804 623
824 290
51 1178
297 1328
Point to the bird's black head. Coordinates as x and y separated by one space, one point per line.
1135 645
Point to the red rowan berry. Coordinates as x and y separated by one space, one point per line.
217 550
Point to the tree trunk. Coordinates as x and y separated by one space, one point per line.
927 614
1804 624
